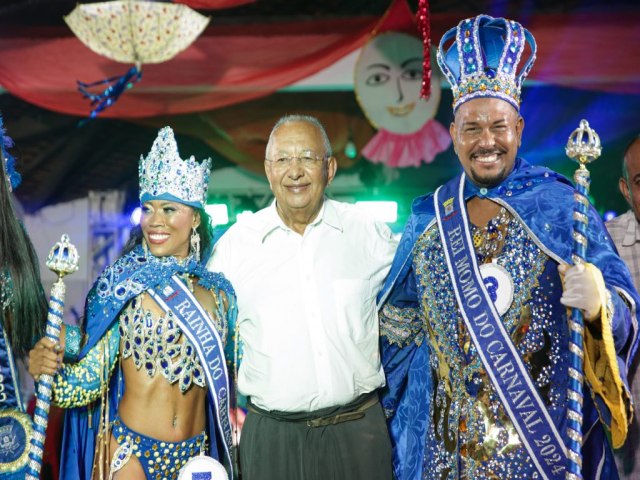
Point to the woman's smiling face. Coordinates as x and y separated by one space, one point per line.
166 227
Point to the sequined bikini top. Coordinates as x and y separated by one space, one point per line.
154 344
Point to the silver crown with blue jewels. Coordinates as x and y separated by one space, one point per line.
165 176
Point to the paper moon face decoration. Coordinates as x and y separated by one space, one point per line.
388 77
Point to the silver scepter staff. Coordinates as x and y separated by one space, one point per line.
63 260
584 147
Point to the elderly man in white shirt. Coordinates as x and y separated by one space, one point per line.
306 271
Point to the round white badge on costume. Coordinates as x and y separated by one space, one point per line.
499 284
202 467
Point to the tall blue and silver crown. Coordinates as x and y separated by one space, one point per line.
483 59
165 176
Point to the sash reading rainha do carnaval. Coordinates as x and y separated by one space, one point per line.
15 424
479 300
174 296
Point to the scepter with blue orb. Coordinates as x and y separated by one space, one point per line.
62 260
584 147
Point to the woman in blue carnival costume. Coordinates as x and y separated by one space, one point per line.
474 316
23 311
150 389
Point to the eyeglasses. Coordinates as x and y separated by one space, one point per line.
306 159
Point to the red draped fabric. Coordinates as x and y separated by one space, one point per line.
214 4
234 63
226 65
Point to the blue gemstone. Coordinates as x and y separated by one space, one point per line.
473 385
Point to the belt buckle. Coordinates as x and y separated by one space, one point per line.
335 419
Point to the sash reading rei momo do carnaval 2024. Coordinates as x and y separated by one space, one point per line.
509 376
174 296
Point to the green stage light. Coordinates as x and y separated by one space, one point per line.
350 149
218 212
386 211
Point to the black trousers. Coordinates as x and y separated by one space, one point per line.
277 448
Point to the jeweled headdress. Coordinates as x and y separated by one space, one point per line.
165 176
9 163
483 60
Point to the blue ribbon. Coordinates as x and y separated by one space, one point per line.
173 295
9 388
110 95
509 376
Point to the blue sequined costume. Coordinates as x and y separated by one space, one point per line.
446 420
15 424
79 387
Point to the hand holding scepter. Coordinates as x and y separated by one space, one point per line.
584 147
63 260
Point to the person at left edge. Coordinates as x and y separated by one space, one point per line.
150 388
23 311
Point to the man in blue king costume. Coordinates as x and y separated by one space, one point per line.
475 311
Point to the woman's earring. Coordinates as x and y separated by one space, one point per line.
145 248
195 243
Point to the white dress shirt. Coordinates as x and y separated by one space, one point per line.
307 305
625 233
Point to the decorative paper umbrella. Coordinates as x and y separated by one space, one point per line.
132 31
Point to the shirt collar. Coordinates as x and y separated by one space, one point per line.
632 235
327 215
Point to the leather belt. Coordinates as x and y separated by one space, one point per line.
357 413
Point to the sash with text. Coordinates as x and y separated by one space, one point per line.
174 296
500 358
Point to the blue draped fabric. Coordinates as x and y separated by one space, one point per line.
126 278
543 201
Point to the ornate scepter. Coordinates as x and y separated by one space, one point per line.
62 260
584 147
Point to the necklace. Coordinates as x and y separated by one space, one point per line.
188 280
488 240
